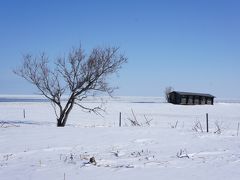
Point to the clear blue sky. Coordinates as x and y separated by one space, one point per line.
191 45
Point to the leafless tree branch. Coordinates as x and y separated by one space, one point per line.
77 75
166 93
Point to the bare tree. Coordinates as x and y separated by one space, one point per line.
77 76
166 93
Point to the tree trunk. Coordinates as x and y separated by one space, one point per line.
61 121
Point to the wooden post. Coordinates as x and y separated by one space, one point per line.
207 121
24 113
120 119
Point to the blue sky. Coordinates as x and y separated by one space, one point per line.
189 45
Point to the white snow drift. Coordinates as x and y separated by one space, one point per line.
34 148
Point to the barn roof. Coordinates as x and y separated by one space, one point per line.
193 94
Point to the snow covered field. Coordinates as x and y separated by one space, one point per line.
34 148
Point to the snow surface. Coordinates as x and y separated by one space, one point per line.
33 148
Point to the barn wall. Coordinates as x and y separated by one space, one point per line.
176 98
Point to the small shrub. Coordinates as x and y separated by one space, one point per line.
182 153
174 125
197 127
218 128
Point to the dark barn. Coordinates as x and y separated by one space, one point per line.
188 98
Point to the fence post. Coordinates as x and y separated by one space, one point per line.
207 121
120 119
24 113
